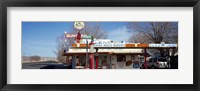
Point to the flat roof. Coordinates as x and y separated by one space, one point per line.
130 46
84 53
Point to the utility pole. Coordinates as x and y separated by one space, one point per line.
145 58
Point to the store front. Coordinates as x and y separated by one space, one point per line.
106 60
107 54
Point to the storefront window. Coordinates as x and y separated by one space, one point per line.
132 57
77 61
102 60
82 60
121 58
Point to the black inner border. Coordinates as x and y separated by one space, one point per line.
100 3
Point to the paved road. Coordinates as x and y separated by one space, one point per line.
39 65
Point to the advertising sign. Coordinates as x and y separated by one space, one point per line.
162 45
79 25
136 64
107 43
83 36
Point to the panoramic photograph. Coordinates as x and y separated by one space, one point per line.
99 45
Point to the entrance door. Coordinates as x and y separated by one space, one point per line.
103 61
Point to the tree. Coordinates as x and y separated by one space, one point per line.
95 30
60 47
92 29
154 32
35 58
139 38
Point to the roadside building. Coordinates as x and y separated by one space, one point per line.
107 54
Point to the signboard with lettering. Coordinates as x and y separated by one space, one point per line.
83 36
108 43
86 37
162 45
70 35
105 43
79 25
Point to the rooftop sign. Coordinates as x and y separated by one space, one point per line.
83 36
128 45
79 25
162 45
109 45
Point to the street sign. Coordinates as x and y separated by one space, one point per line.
86 37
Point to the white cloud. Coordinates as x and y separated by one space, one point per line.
120 34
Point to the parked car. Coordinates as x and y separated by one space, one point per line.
141 61
154 63
174 62
57 66
163 63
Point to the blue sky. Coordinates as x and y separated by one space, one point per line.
39 38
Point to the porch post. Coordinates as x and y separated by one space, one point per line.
92 54
97 62
97 59
74 62
91 61
145 59
110 57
